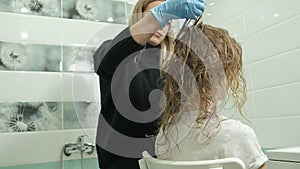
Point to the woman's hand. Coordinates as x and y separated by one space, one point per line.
175 9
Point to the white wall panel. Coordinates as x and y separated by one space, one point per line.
80 87
278 101
251 3
282 69
236 27
81 32
248 77
279 132
270 12
30 86
275 40
30 28
220 11
30 147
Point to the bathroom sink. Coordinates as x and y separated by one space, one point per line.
285 154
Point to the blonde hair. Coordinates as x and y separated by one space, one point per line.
137 14
204 39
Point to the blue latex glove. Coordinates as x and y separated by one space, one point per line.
176 9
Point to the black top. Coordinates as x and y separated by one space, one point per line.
128 74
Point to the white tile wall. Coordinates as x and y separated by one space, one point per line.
279 132
246 53
235 26
249 107
30 147
26 86
82 32
39 147
221 11
270 12
251 3
278 70
55 31
80 87
30 28
248 77
280 101
275 40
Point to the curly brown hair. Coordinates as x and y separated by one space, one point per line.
214 59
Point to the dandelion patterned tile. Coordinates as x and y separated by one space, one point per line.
78 59
5 6
129 7
32 7
95 10
29 116
29 57
78 115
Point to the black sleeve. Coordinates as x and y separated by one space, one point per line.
111 53
100 53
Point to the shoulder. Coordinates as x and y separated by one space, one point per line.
103 47
239 135
243 143
236 128
100 53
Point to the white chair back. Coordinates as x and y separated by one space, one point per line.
149 162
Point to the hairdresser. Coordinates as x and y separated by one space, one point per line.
121 138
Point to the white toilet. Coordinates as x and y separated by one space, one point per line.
284 158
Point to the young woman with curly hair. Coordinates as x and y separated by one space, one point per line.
205 70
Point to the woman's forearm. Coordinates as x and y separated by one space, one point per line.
143 30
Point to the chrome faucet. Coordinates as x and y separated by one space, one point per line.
78 146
